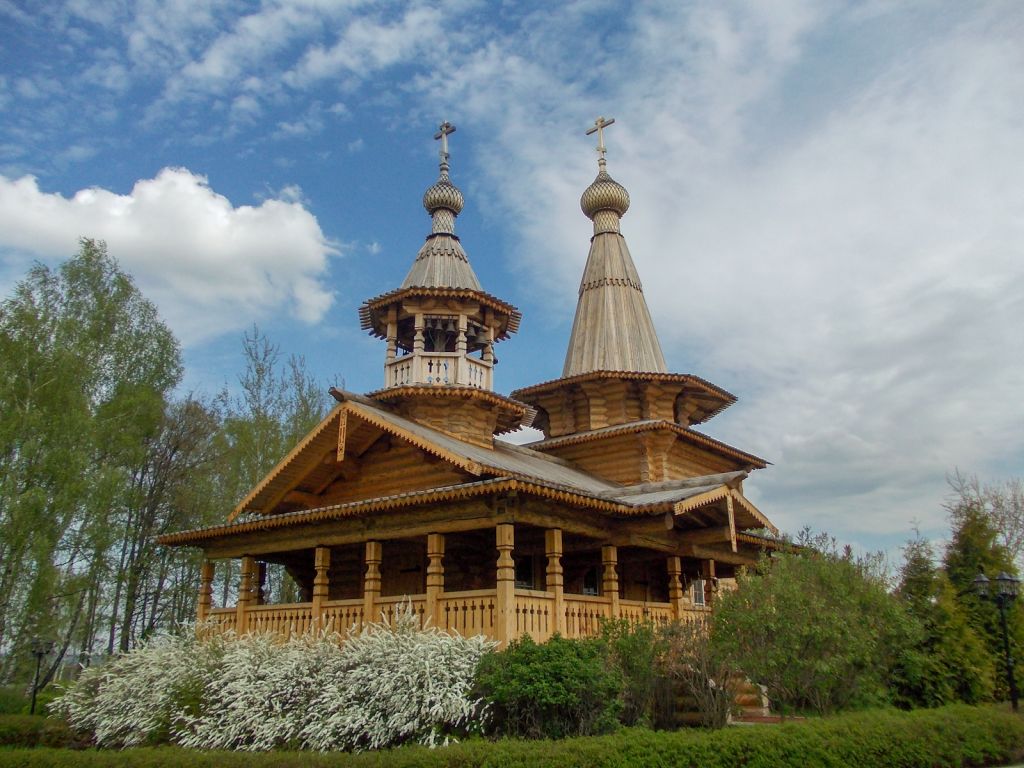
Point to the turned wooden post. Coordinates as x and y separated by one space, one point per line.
321 584
505 621
371 582
435 578
555 579
676 593
708 573
205 602
245 594
610 580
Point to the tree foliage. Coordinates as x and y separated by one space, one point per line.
99 455
977 546
818 629
950 663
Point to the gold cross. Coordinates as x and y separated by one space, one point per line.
599 125
442 133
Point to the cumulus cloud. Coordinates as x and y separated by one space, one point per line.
211 266
852 270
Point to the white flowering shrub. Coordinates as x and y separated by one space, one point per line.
147 696
392 685
382 686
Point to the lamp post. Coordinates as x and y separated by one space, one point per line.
1003 593
40 648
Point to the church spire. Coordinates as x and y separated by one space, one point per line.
612 330
442 261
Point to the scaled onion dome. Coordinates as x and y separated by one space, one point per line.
443 194
605 194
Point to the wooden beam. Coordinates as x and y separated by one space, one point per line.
719 534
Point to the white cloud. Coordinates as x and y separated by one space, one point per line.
852 267
210 266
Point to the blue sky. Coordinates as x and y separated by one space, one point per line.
827 208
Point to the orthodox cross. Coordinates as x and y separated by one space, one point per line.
442 133
599 125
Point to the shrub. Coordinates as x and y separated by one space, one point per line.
36 731
939 738
393 686
557 689
148 696
381 687
636 650
689 658
819 630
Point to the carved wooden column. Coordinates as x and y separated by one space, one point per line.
555 581
417 348
371 582
610 580
392 337
205 602
245 594
435 578
321 584
676 593
707 568
505 621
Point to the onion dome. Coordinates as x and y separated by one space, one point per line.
443 194
605 194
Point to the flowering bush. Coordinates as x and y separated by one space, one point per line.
382 686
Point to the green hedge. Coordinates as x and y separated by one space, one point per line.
951 736
36 731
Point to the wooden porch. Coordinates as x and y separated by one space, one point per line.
505 611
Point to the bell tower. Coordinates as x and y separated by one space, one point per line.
440 327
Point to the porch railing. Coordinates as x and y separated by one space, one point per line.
467 613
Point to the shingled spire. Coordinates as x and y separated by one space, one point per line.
442 262
613 330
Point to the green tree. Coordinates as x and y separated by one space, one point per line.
279 402
951 662
87 367
818 629
974 548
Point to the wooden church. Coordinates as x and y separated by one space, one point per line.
407 494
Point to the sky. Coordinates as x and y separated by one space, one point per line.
827 201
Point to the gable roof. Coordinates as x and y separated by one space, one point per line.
532 471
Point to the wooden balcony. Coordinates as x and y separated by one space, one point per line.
466 613
438 369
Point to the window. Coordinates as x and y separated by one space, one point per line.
524 572
698 591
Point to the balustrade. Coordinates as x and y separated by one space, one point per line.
438 369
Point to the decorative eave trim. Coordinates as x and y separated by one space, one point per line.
776 545
488 300
645 426
387 503
518 414
710 497
754 512
675 378
283 463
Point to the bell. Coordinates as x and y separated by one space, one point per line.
451 327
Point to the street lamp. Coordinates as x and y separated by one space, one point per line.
40 648
1004 592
